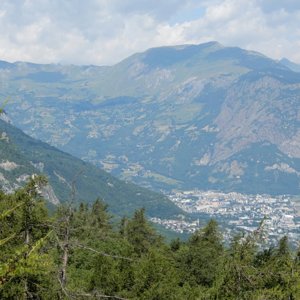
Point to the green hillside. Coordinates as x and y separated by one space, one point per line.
24 155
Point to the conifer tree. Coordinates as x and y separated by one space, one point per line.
140 234
204 255
24 268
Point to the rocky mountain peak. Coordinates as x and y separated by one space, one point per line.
191 116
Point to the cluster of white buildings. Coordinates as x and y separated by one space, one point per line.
178 225
238 212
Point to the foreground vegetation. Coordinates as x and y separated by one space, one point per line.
76 253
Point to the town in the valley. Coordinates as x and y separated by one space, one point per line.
276 216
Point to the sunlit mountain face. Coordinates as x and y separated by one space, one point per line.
192 116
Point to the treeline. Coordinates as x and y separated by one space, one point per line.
77 253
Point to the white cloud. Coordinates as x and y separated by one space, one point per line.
244 23
273 5
106 31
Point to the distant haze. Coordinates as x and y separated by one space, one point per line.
206 116
104 32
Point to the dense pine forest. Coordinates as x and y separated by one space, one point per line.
78 252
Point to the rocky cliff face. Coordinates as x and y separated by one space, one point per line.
202 116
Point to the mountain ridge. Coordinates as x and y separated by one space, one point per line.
170 121
291 65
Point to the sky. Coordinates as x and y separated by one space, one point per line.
103 32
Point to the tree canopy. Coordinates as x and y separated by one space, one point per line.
77 252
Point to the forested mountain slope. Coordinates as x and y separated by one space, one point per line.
21 156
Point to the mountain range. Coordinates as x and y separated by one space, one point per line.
191 116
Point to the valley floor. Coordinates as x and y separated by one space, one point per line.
237 213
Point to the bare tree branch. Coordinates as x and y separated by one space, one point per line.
64 289
100 252
74 295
